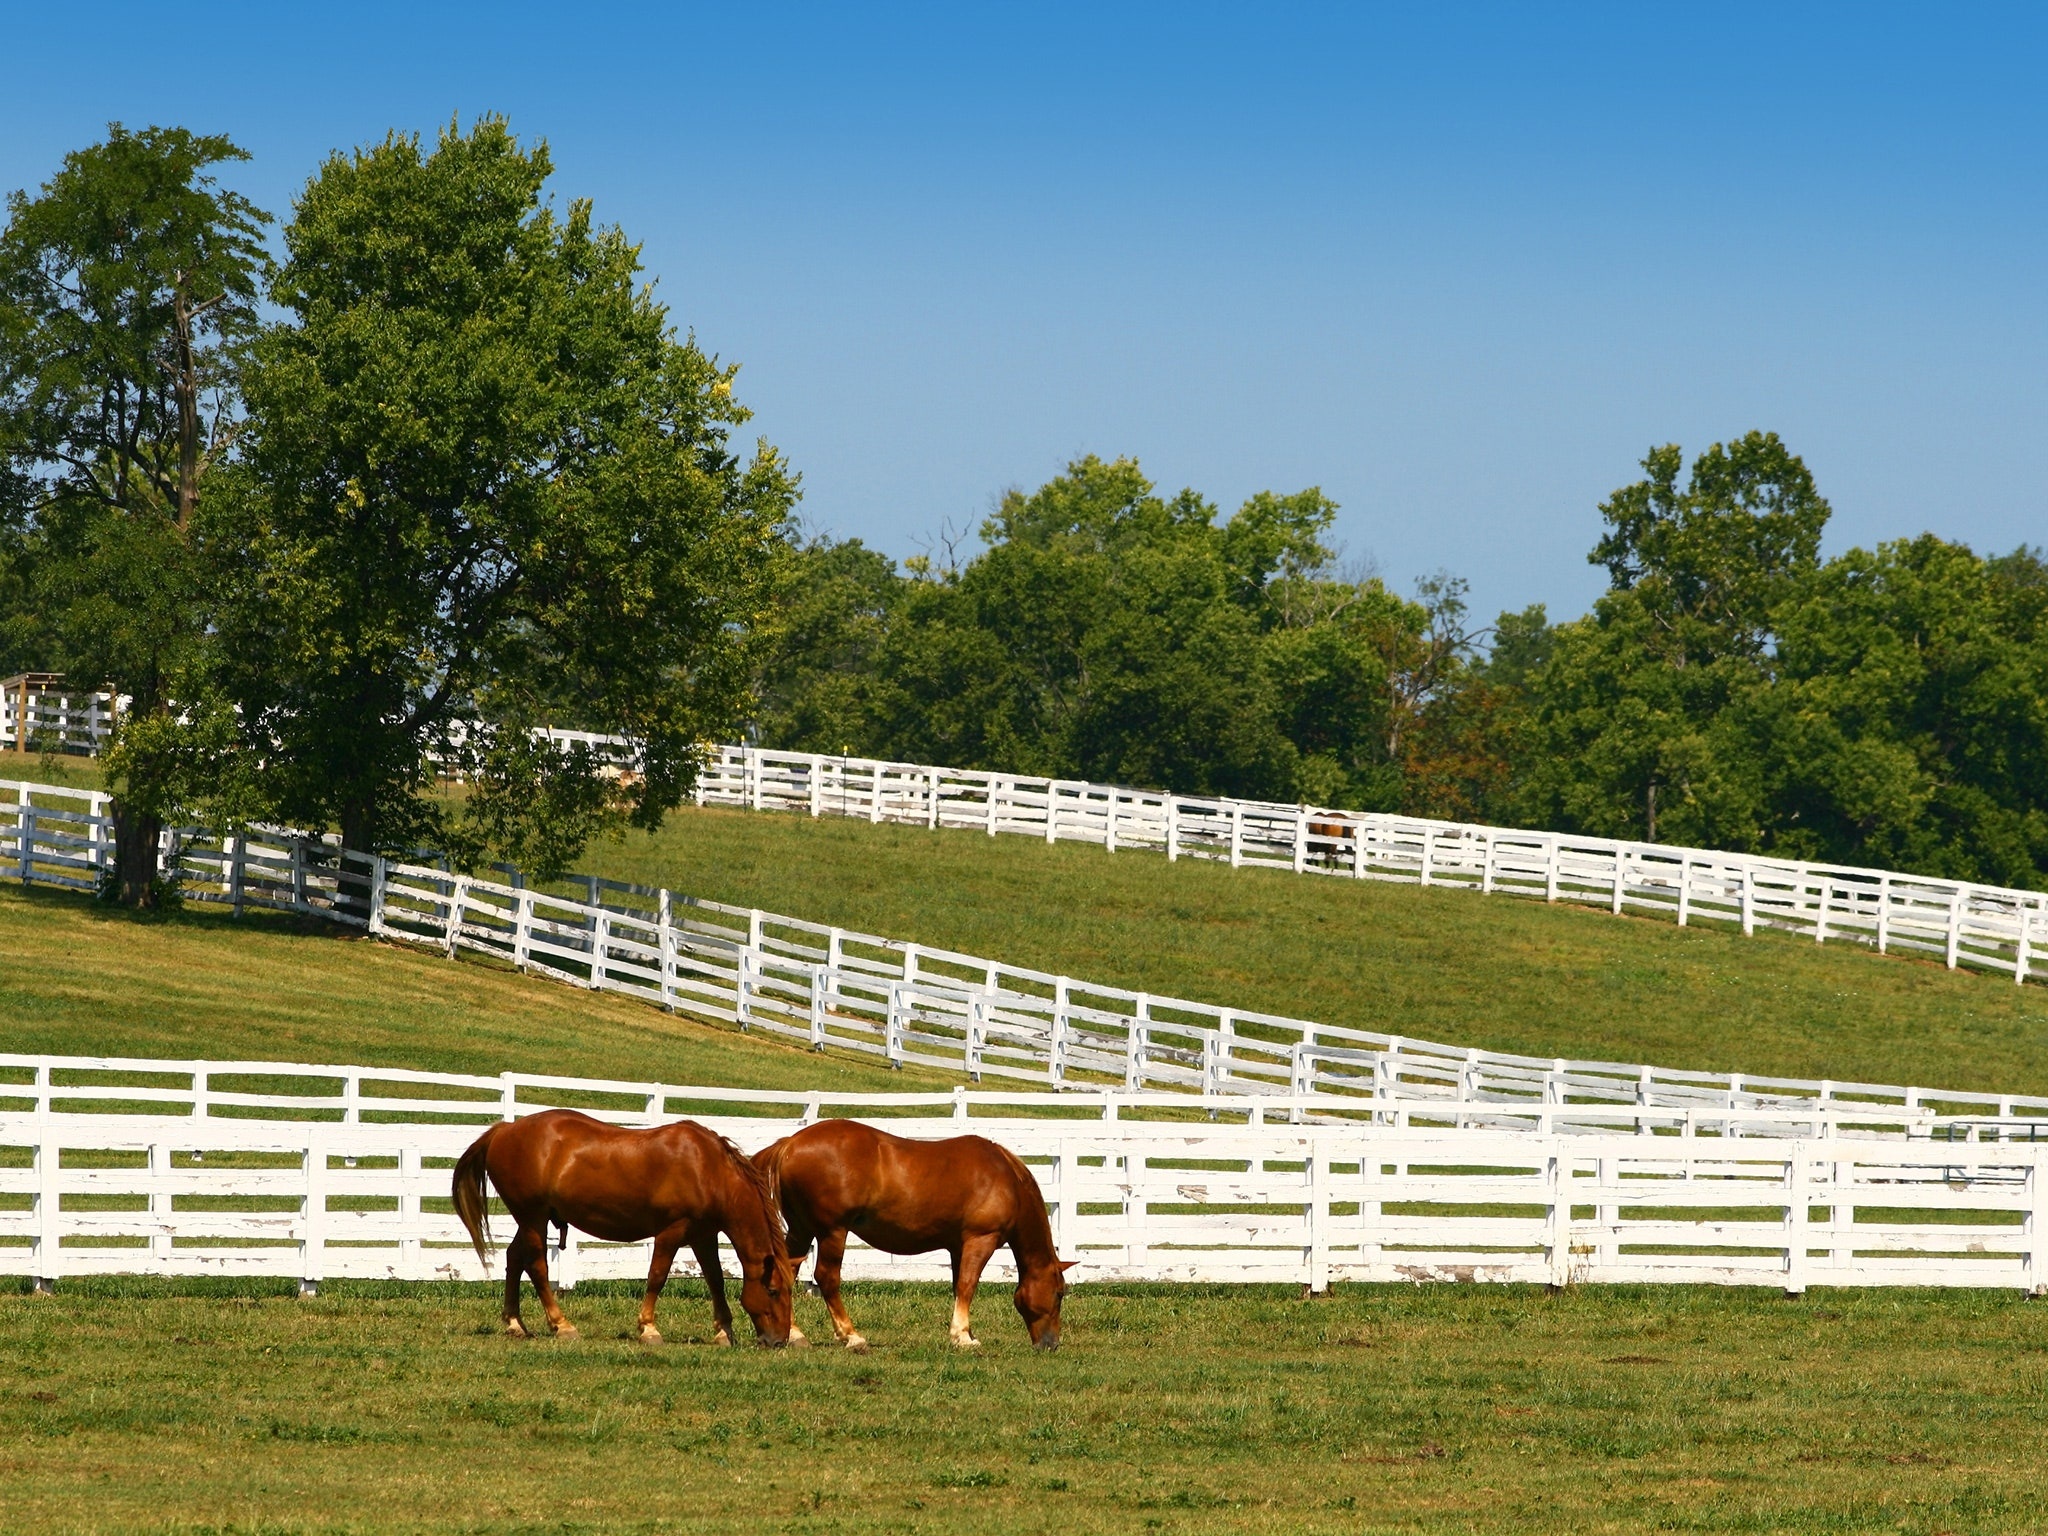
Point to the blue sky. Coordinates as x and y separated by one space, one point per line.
1460 266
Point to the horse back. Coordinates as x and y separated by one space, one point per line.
608 1178
844 1174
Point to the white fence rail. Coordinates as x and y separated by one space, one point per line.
1310 1204
838 990
34 719
1991 927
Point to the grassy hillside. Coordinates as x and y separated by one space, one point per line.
1492 971
79 978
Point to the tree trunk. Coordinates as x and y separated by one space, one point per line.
136 839
358 835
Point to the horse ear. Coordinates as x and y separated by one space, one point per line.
1067 1264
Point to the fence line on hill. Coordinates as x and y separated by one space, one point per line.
1129 1199
1963 922
907 1003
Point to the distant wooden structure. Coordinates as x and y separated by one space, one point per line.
39 711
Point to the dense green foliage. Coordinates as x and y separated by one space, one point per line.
1108 632
468 482
127 288
1732 689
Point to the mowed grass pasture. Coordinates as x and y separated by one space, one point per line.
224 1406
147 1405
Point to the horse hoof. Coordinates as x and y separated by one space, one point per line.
650 1336
515 1329
566 1331
796 1339
856 1344
721 1340
966 1341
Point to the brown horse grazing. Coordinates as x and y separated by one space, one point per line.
676 1184
967 1196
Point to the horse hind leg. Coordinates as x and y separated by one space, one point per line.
969 1260
517 1256
831 1254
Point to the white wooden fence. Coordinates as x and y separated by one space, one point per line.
1963 923
839 990
242 1181
55 719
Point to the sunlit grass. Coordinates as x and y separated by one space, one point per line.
160 1405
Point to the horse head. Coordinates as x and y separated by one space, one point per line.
768 1295
1040 1290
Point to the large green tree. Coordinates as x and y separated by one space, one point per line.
1640 701
484 488
127 286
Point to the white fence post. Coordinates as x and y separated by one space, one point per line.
892 1026
1056 1051
1798 1216
1172 829
1236 836
161 1218
977 1034
1134 1045
665 933
313 1226
458 895
600 947
821 983
1316 1176
1557 1168
49 1205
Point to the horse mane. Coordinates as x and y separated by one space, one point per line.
758 1181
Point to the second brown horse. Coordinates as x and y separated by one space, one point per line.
965 1195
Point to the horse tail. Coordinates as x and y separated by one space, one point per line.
470 1197
770 1163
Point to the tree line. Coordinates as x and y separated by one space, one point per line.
346 505
1731 689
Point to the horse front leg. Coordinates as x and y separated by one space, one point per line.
705 1246
665 1247
969 1260
831 1254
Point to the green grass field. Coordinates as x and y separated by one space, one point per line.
216 1407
